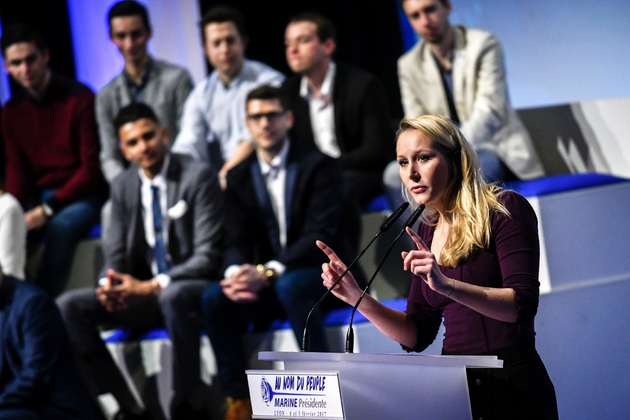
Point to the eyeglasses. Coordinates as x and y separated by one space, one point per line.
149 135
271 116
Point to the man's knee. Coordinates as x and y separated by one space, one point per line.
62 230
74 220
58 228
70 303
169 296
18 414
212 299
181 296
286 289
298 286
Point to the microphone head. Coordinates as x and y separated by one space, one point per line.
414 216
394 216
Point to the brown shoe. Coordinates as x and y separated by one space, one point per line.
238 409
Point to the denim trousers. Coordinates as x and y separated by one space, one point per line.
60 236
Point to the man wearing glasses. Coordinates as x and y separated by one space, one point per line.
279 200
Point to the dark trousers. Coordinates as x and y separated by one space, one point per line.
521 390
39 412
359 188
19 414
177 308
292 296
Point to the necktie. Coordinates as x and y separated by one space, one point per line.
159 250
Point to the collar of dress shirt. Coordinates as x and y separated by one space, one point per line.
326 90
279 161
159 178
143 79
236 80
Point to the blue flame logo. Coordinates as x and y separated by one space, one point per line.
266 391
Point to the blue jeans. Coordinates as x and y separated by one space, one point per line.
292 297
18 414
61 235
492 168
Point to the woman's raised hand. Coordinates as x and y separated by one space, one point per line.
347 289
423 264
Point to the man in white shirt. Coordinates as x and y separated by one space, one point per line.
213 124
162 249
341 109
460 73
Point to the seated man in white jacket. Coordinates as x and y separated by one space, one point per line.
459 72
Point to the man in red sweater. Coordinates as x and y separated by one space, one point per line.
52 153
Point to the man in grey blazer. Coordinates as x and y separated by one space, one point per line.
143 79
162 249
460 73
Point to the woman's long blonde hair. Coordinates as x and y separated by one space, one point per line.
469 200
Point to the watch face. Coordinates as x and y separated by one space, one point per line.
47 210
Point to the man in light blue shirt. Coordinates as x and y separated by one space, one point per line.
213 123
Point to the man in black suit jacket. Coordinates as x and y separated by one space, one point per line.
39 378
162 248
341 109
278 202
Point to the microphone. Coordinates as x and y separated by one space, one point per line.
384 227
410 221
391 220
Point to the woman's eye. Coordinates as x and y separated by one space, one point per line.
402 162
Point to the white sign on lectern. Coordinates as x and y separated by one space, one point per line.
384 386
295 395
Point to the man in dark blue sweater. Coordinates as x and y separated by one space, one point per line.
39 378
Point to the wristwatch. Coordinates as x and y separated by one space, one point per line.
48 211
270 273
